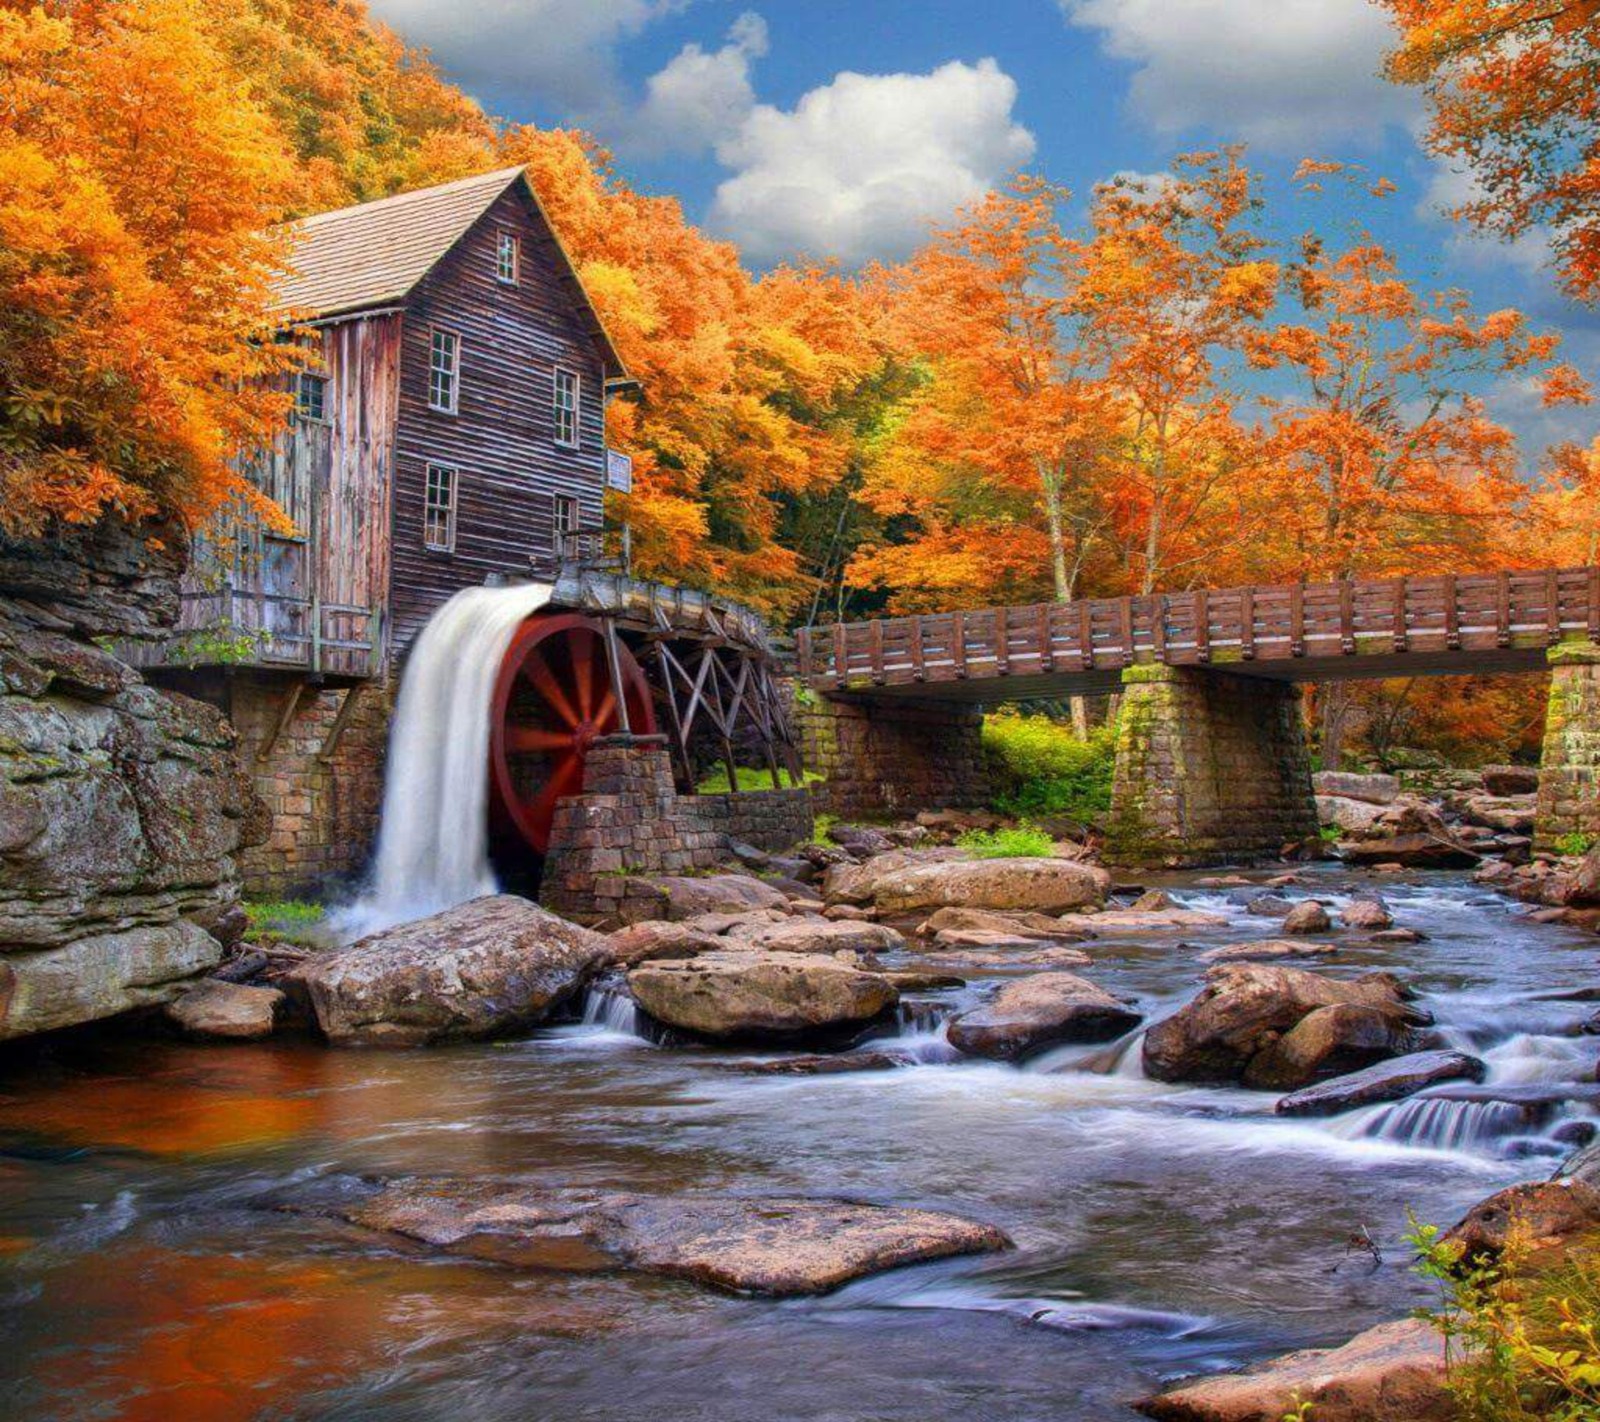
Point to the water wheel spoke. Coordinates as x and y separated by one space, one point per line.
543 680
567 780
605 716
583 673
524 740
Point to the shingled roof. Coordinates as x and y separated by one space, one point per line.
374 255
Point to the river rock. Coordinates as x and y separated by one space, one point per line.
1386 1081
222 1011
1328 1041
660 938
1550 1213
1409 851
685 896
1267 950
1510 779
486 968
1395 1372
1582 885
857 884
1510 814
748 993
824 1064
1369 914
821 935
1349 785
779 1247
1010 925
1245 1008
1029 1015
122 807
1307 916
1040 885
861 840
1010 954
1137 920
1346 815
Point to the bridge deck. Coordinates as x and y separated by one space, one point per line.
1296 632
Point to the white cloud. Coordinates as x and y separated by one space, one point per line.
556 52
1297 75
860 166
1447 189
700 99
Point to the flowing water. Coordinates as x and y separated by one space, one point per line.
433 848
1160 1230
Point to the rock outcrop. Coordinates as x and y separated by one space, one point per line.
487 968
1280 1028
777 1247
752 994
121 806
910 882
1046 1010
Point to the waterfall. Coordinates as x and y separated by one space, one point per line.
1443 1124
433 838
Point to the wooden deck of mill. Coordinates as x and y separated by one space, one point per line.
1487 622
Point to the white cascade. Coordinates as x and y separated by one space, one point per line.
433 838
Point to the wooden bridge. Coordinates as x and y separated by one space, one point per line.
1212 762
1446 624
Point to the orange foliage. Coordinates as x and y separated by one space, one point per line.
1514 98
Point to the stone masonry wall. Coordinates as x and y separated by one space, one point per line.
885 759
1211 768
631 822
323 810
1569 775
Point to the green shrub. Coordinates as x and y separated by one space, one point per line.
1040 767
1520 1343
1575 843
1023 842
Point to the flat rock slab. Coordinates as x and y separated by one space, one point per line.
1039 1012
778 1247
1387 1081
1136 920
1010 925
1036 885
486 968
752 993
686 896
226 1012
1392 1373
1265 949
1018 954
821 935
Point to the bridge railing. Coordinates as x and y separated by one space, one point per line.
1481 612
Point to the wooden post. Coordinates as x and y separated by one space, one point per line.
1127 631
1247 624
316 632
614 671
1086 635
802 644
291 704
1347 617
919 665
1202 626
1552 607
841 656
1452 614
1502 611
1400 631
1158 626
330 742
875 650
1297 619
1047 638
1594 604
958 644
1002 641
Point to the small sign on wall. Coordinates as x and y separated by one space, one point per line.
619 471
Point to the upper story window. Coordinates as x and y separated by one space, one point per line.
508 258
444 371
311 396
568 392
439 509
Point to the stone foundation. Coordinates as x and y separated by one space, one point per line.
1211 769
322 803
888 759
631 821
1569 774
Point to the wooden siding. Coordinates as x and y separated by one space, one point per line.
502 438
313 600
1298 632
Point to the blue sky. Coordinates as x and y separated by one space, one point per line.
835 129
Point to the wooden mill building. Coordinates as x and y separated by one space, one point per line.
449 431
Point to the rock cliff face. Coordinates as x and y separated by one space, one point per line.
121 806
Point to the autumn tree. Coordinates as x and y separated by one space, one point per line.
138 181
1514 87
1564 513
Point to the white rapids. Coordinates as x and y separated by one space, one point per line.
433 838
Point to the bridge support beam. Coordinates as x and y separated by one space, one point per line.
1569 774
886 759
1211 768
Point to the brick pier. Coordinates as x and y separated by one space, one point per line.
1569 774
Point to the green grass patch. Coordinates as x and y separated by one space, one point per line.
1575 843
1021 842
717 782
1040 767
284 921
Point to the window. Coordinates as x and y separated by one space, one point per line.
439 509
508 258
311 396
566 407
566 515
444 371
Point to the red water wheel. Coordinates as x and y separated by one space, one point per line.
553 699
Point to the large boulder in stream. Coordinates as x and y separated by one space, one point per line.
1253 1023
1548 1216
685 896
1392 1373
910 882
774 1246
752 994
487 968
1387 1081
1027 1016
